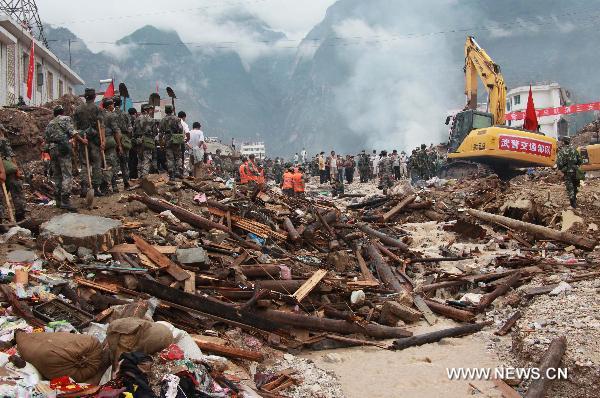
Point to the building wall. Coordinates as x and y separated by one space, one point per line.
544 96
46 88
256 148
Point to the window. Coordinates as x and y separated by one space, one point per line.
40 77
60 88
517 99
508 105
70 90
50 85
25 65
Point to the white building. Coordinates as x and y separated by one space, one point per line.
256 148
52 78
544 96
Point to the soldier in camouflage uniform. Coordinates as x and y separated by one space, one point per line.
172 136
278 171
143 135
386 172
14 184
568 161
364 165
86 118
112 144
126 131
57 136
217 162
132 165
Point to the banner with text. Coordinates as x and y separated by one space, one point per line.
561 110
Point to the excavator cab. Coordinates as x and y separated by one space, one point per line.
463 123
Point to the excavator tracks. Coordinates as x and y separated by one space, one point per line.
462 169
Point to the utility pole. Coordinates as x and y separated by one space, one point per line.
25 12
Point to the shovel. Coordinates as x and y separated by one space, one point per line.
9 208
105 169
89 196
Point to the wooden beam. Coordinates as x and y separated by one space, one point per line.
160 259
309 285
396 209
226 351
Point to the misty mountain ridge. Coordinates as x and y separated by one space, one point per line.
380 74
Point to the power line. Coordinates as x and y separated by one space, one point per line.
25 12
355 40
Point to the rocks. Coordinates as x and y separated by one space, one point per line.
95 233
21 256
194 257
333 358
357 298
569 219
562 287
340 260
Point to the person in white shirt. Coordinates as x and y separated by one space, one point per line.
196 145
303 155
296 158
186 134
403 165
333 166
375 162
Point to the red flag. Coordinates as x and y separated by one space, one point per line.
30 71
531 122
110 90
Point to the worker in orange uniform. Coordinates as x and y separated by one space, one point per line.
244 179
298 182
288 181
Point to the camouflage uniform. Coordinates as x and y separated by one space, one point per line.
57 136
14 185
228 169
364 164
143 133
172 134
86 118
112 126
386 173
278 172
126 143
568 161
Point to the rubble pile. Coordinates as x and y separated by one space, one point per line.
218 287
26 124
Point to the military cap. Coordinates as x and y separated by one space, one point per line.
116 100
423 146
58 109
168 108
566 140
107 102
132 111
89 92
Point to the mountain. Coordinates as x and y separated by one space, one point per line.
377 74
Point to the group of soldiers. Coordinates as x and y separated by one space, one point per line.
105 138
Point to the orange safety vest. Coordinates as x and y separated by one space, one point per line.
244 179
288 180
298 182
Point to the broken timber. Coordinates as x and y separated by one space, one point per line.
510 322
487 299
291 230
309 285
396 209
433 337
450 312
160 259
537 230
229 352
551 359
384 270
383 237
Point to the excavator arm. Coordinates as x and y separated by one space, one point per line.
478 62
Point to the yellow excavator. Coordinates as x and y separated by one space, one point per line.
480 142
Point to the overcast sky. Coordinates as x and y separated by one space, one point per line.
194 20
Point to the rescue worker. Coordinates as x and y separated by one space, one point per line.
253 172
287 185
144 141
386 172
132 164
86 119
126 131
244 172
58 135
11 176
364 166
568 161
403 165
298 182
112 144
173 137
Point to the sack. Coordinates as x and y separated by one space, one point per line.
134 334
148 142
125 142
9 167
177 139
110 142
78 356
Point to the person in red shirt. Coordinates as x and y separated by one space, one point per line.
288 181
298 182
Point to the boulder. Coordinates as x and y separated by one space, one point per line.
194 257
